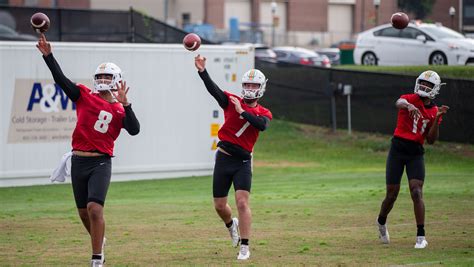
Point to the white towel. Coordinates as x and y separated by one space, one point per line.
63 169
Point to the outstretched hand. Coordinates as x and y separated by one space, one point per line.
442 110
414 112
200 63
237 105
43 45
122 93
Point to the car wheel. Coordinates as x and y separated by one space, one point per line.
369 58
438 58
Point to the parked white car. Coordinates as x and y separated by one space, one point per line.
417 44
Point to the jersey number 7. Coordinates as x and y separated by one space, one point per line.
245 126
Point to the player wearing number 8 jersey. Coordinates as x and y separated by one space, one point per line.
418 118
244 118
101 114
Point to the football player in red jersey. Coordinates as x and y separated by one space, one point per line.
418 118
244 118
101 114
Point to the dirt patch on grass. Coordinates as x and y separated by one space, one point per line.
315 131
284 164
377 142
464 150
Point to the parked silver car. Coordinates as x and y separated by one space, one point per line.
7 33
301 56
417 44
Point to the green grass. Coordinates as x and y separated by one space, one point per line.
315 197
460 72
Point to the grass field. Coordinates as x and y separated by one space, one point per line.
315 198
459 72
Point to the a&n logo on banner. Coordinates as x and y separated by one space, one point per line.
41 112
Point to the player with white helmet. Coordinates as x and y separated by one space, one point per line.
418 119
106 76
244 118
253 84
428 84
101 114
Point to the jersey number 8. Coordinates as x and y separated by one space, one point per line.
102 124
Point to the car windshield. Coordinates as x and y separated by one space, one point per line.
442 32
4 30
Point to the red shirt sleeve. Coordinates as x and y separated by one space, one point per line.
267 113
409 97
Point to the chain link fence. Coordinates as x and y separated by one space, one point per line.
315 95
75 25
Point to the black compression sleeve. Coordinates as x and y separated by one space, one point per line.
130 122
71 89
259 122
214 90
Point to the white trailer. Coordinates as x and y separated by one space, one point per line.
179 118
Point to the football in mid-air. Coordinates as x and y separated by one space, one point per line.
399 20
191 41
40 22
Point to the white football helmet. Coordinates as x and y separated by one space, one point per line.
425 91
105 84
256 77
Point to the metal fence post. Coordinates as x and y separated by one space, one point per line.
332 92
60 22
347 90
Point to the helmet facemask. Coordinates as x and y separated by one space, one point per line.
252 90
103 81
423 89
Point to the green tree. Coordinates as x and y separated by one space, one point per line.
421 8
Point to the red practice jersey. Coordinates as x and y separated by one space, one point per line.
238 130
415 129
98 123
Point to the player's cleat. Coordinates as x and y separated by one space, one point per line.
244 253
97 263
234 232
383 233
421 242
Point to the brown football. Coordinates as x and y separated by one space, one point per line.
191 41
399 20
40 22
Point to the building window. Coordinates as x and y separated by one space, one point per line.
32 3
186 18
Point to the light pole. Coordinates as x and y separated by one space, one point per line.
274 8
452 12
376 4
166 11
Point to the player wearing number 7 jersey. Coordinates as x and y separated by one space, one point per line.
418 118
101 114
244 118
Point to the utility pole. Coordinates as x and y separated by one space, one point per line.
166 11
274 8
377 5
452 12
